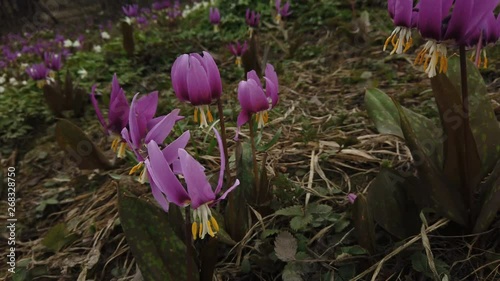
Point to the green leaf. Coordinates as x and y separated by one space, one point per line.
364 223
445 200
79 147
58 237
236 213
158 251
382 112
273 141
300 222
462 165
389 203
490 201
319 209
291 273
296 210
485 127
354 250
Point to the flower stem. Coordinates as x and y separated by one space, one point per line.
189 245
468 190
254 158
220 108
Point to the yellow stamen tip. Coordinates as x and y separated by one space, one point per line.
214 224
194 230
210 231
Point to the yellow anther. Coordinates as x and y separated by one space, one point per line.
194 230
201 230
209 228
142 176
136 168
121 150
485 63
209 116
114 144
238 61
196 114
41 83
214 224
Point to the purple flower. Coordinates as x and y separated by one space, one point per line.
52 61
487 33
252 18
38 72
401 12
254 100
198 192
160 5
448 20
131 11
196 79
214 16
351 197
282 12
238 50
117 115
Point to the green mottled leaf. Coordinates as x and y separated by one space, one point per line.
364 223
485 127
58 237
237 213
490 201
390 205
462 165
300 222
79 147
445 199
159 253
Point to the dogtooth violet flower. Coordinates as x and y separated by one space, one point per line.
214 16
131 11
404 18
254 99
117 115
252 19
196 79
487 33
40 73
238 50
52 61
143 127
198 192
441 21
282 12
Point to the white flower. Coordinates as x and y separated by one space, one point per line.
2 79
24 65
97 48
24 82
67 43
2 89
13 81
76 44
128 20
83 73
105 35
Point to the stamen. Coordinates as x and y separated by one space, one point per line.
142 176
485 64
194 230
205 115
196 114
215 224
114 144
238 61
400 40
121 150
136 168
432 55
210 231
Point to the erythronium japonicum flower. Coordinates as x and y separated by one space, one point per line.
282 12
143 127
254 100
52 61
215 18
487 33
401 12
38 72
196 79
238 50
131 11
117 115
252 19
198 193
442 21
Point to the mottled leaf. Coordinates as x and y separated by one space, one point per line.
390 205
128 38
79 148
485 127
285 246
57 237
445 199
353 250
160 254
54 98
490 201
364 223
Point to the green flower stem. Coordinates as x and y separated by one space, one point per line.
189 245
254 158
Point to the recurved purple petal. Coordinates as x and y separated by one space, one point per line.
197 84
270 74
198 187
479 15
224 195
157 194
243 118
178 75
164 178
97 110
161 130
171 151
